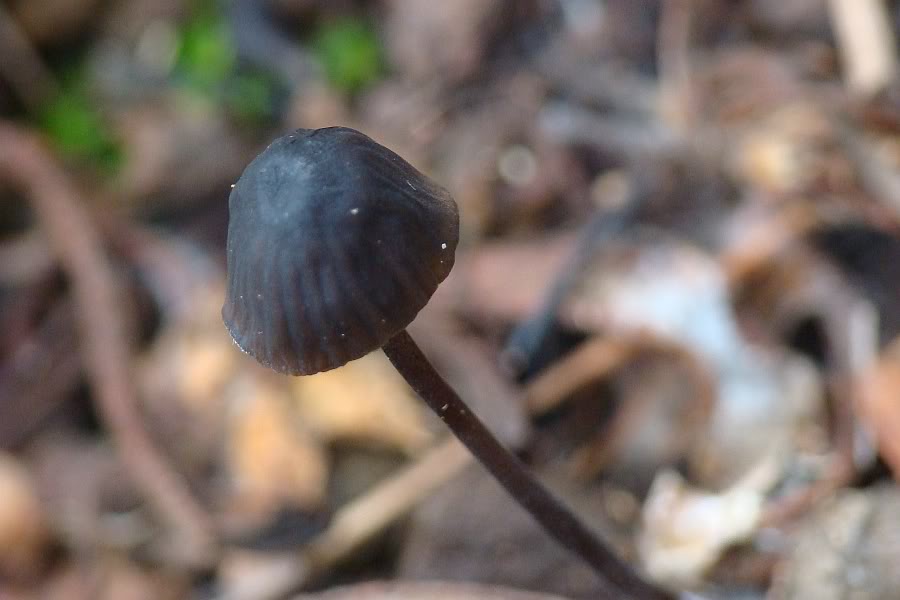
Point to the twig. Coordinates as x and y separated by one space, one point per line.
628 137
763 238
866 43
673 62
72 235
358 522
597 359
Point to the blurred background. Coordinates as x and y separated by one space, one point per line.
676 296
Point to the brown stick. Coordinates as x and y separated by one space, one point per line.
599 356
76 243
674 64
866 42
597 359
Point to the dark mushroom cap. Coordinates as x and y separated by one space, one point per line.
335 243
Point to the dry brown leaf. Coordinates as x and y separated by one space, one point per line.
493 283
366 401
193 360
195 375
782 152
184 375
23 531
880 404
273 462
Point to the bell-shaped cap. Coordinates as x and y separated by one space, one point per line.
335 243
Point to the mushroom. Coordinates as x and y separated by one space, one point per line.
335 243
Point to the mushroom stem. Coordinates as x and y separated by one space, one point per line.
619 578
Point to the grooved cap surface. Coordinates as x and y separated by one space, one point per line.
335 243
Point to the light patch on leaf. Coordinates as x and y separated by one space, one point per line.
272 461
366 401
686 530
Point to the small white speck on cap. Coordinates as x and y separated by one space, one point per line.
354 211
232 186
444 246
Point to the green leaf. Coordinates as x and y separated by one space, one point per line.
206 54
350 53
77 129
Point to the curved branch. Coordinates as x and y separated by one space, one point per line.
107 357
